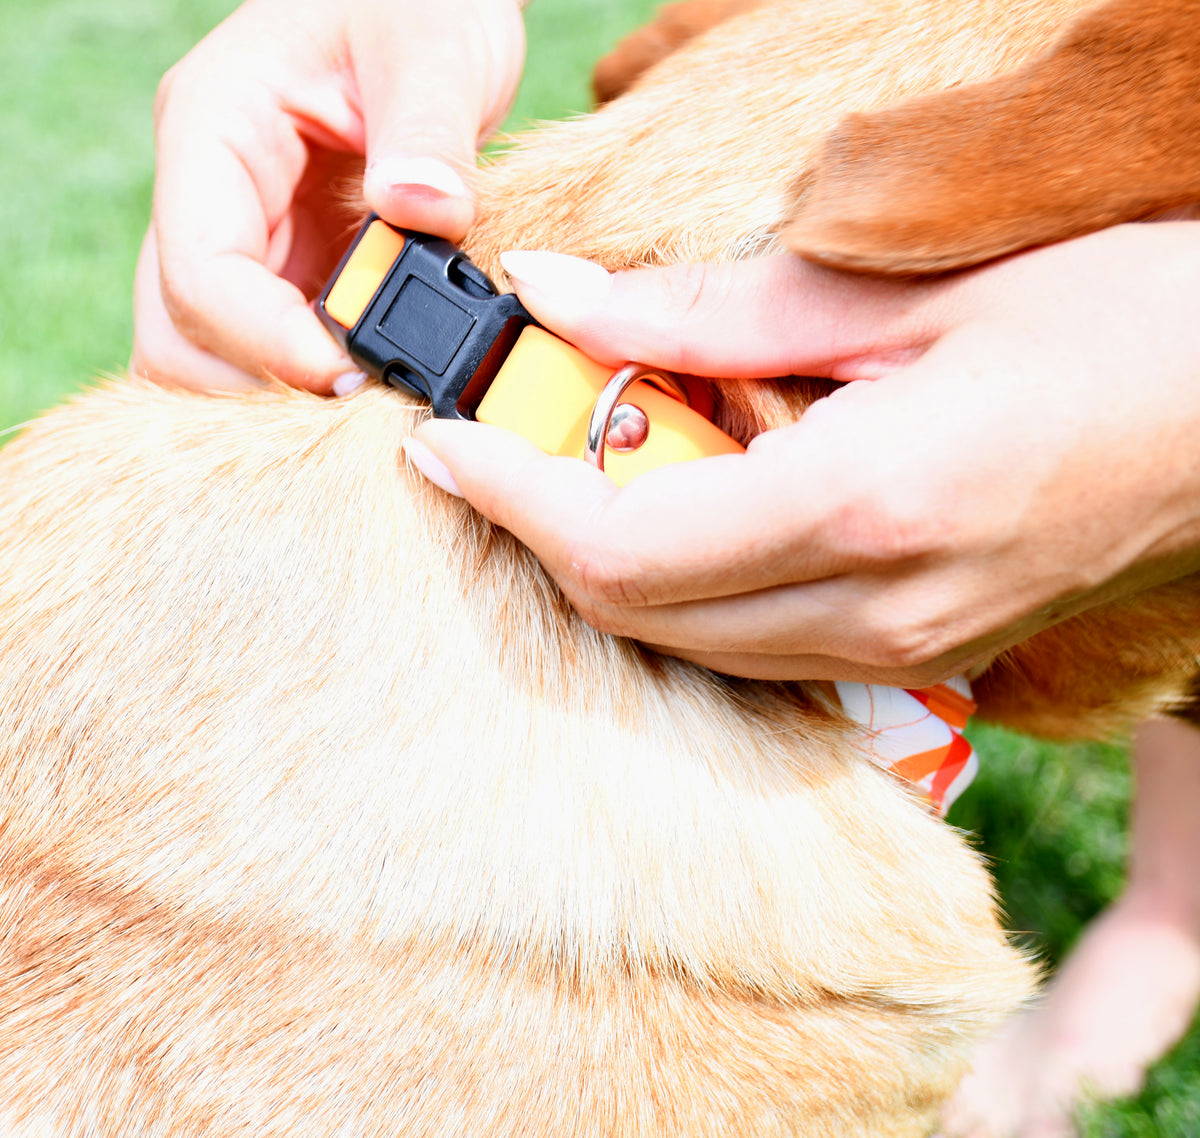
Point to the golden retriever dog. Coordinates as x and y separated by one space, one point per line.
324 814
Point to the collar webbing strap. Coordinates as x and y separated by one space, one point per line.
546 390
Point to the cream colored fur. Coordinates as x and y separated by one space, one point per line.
321 804
323 814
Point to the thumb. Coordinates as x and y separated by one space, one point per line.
431 91
753 319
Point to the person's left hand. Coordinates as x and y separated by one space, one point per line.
1028 449
261 129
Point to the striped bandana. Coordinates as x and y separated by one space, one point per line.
917 735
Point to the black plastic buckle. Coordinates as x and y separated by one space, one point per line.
436 325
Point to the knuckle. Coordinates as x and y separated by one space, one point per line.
598 616
913 642
180 299
155 348
910 653
924 675
891 527
690 292
687 286
601 578
156 359
148 356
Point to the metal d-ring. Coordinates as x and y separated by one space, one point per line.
623 427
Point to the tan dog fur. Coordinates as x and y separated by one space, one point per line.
323 814
1103 127
673 26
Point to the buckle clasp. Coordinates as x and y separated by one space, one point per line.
434 323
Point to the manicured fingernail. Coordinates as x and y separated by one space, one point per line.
398 170
558 277
348 382
431 466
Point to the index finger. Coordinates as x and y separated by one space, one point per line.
224 181
762 317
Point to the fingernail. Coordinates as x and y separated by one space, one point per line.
398 170
431 466
348 382
559 277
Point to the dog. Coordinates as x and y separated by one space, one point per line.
323 812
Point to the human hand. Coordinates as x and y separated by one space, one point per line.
258 129
1027 449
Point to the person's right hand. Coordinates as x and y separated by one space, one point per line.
1018 445
258 129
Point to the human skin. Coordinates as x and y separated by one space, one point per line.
1129 988
1020 445
258 131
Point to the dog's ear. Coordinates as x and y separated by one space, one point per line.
671 28
1102 128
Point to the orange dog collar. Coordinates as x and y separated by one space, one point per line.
413 310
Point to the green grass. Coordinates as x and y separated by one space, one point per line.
77 78
76 83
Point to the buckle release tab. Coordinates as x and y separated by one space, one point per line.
414 311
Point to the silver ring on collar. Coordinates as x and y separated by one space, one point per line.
623 427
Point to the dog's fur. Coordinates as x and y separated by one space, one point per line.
1098 129
323 814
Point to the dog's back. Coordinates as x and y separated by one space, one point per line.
323 811
323 814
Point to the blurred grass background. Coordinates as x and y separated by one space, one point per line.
77 79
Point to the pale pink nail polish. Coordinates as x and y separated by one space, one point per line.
431 466
348 382
566 281
401 170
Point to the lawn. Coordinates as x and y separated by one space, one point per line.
76 82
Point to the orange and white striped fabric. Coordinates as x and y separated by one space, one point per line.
918 735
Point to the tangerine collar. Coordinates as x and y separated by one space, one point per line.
412 310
